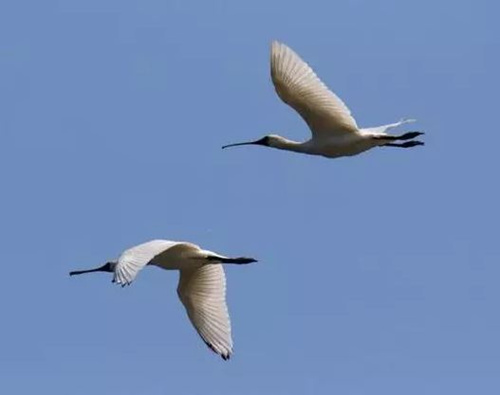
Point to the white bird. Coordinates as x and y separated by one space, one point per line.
201 289
334 130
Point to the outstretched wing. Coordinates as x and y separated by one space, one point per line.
134 259
299 87
202 291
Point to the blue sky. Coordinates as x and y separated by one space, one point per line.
378 274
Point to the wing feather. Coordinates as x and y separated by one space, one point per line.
299 87
202 291
134 259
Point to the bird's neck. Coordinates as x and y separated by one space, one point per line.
289 145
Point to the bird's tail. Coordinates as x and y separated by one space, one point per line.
385 128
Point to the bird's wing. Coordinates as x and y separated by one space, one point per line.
134 259
298 85
202 291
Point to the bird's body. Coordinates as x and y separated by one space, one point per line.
335 132
333 147
202 284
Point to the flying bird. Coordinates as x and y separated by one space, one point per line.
201 289
334 130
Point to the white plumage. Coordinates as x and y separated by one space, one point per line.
335 132
299 87
202 284
202 291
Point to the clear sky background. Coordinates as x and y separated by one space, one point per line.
377 274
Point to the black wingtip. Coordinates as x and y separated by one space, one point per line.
224 356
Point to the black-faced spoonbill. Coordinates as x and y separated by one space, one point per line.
334 130
202 284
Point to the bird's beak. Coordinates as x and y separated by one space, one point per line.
104 268
262 141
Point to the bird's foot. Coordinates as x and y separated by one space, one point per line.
409 135
413 143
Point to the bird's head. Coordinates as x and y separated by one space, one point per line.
111 265
271 140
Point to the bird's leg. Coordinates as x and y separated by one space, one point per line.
220 259
405 136
408 144
408 136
